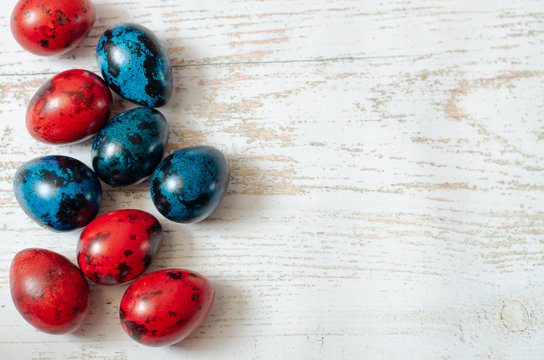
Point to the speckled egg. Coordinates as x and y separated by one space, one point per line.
190 183
58 192
129 148
118 246
135 64
69 107
165 306
49 291
51 27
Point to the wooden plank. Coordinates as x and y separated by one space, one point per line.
197 32
386 200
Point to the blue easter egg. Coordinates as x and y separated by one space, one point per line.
190 183
58 192
130 146
135 64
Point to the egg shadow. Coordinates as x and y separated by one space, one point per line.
111 199
175 246
184 130
241 202
224 321
103 317
135 196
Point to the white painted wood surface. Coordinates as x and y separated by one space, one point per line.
387 194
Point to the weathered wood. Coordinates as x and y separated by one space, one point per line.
387 179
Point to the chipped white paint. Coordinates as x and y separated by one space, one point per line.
387 179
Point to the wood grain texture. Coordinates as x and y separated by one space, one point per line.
387 185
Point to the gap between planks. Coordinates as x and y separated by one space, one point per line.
289 61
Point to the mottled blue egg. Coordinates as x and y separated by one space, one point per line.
190 183
58 192
130 146
135 64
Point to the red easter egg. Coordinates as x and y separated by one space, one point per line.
49 291
165 306
51 27
69 107
118 246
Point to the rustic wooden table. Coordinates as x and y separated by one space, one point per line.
387 193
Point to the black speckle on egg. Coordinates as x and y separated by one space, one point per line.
174 275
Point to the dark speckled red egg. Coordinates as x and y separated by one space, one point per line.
118 246
49 291
69 107
51 27
165 306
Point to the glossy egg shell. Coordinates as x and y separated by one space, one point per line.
165 306
69 107
189 184
131 145
58 192
135 64
118 246
49 291
51 27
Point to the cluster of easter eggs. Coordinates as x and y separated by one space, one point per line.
61 193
